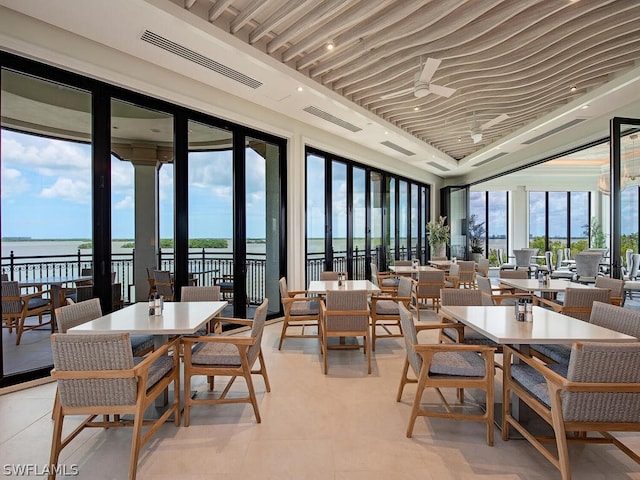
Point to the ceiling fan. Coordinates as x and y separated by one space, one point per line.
476 134
422 85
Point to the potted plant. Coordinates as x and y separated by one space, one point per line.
438 233
477 234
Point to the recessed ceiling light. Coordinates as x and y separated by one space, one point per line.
330 45
584 107
574 88
416 108
300 89
459 139
386 133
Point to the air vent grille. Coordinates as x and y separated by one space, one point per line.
398 148
195 57
554 131
438 166
331 118
490 159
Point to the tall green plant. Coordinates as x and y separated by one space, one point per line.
597 237
439 233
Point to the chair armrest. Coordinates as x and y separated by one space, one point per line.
453 347
293 293
549 303
455 279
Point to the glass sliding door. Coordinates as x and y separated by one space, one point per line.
315 216
414 219
46 206
142 200
210 193
392 225
357 253
338 207
262 263
379 231
403 222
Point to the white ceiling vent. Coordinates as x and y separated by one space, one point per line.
398 148
438 166
195 57
554 131
331 118
490 159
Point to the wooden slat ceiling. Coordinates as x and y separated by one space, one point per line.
515 57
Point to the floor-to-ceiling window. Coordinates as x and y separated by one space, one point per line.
107 171
46 214
368 216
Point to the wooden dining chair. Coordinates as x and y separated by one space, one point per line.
96 375
301 312
426 290
164 284
17 307
385 312
598 392
203 294
226 356
577 302
345 313
442 366
467 275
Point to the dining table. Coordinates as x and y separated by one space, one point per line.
409 270
177 318
320 287
441 264
544 326
545 289
57 284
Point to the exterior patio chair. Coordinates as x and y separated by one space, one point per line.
227 356
300 311
446 366
164 284
523 259
587 266
345 313
504 265
17 307
97 375
385 311
597 392
560 270
426 290
203 294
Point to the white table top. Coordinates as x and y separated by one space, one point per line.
320 287
532 285
500 325
408 269
178 318
441 263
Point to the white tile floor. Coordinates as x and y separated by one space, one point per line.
345 425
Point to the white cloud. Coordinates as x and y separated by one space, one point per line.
125 204
70 190
13 183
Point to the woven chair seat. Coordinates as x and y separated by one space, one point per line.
215 354
304 308
141 343
158 369
37 302
471 337
390 282
556 352
457 364
534 382
387 307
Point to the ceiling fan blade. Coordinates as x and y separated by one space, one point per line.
494 121
442 91
429 69
399 93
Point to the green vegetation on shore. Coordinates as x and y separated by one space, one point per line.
168 243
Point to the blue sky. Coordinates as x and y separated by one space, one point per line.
46 192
